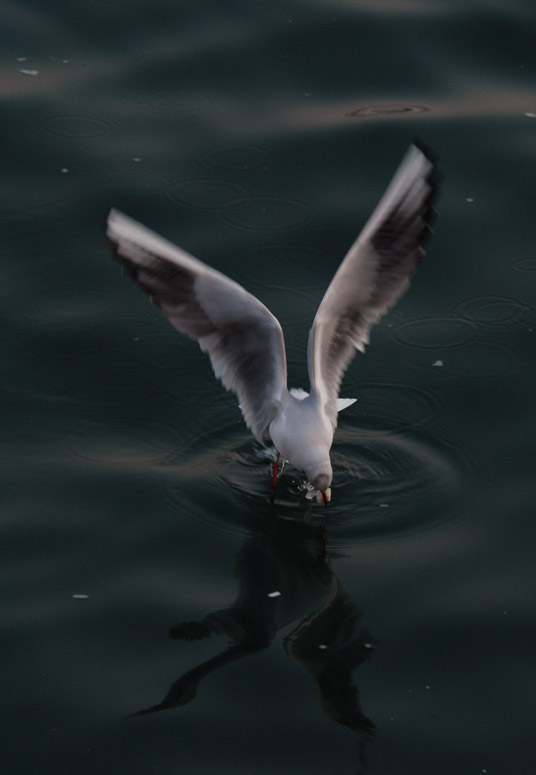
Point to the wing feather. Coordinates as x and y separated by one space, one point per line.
241 336
373 275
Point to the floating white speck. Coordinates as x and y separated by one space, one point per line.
80 597
529 115
322 646
29 72
65 61
469 199
21 59
274 594
437 363
367 645
64 170
136 158
384 505
427 688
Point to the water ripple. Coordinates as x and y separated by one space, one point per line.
300 256
35 197
77 127
479 360
124 183
234 158
130 447
268 213
493 310
388 484
177 100
434 332
386 110
85 364
384 483
525 265
207 194
395 405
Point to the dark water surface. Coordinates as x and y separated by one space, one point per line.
259 136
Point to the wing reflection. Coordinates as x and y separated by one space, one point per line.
285 575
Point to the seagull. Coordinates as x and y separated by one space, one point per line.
244 341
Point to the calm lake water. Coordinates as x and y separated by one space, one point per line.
139 547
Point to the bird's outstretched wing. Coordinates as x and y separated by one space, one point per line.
373 275
241 336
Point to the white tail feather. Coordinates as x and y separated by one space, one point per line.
342 403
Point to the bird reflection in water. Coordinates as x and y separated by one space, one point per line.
286 575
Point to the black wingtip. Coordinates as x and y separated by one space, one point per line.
428 151
436 177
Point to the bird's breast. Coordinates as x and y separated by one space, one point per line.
300 432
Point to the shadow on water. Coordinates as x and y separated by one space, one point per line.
286 576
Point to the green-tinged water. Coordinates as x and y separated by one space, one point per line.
139 548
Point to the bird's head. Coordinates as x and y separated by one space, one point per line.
320 476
